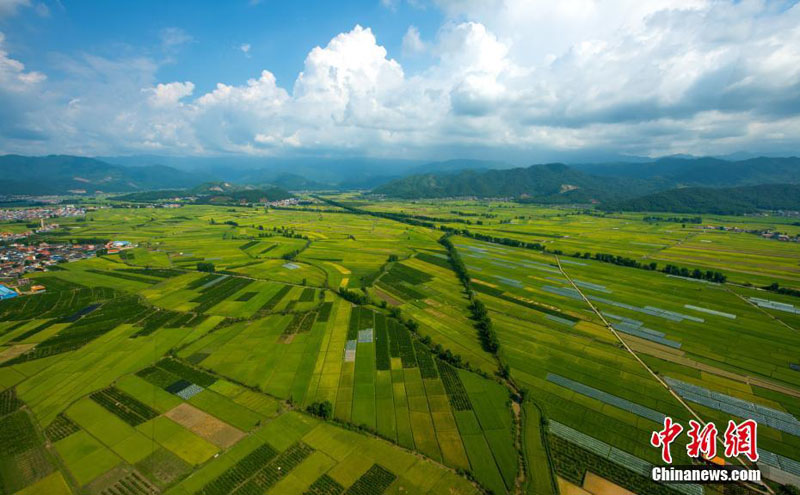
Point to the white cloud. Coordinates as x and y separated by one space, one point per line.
245 48
10 7
514 76
169 94
13 76
412 43
174 37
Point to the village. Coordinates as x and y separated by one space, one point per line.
19 259
764 233
27 214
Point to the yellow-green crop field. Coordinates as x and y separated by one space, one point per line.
198 360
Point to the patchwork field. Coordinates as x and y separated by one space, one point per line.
199 360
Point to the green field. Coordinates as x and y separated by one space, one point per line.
137 373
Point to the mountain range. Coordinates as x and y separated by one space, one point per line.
62 174
614 184
597 183
720 201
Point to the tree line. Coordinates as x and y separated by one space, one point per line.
483 323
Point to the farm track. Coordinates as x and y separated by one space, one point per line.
762 310
652 373
652 350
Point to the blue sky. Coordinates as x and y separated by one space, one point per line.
203 39
522 80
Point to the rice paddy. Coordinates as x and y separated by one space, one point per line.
137 373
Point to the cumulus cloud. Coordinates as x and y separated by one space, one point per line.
169 94
508 76
412 42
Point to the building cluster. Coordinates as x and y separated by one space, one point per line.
15 236
33 214
765 234
19 259
290 202
777 236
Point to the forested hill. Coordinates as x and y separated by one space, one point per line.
722 201
550 183
704 172
60 174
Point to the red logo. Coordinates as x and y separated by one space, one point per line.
665 437
738 439
703 440
741 439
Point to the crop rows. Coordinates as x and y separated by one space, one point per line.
382 361
400 334
246 296
248 245
22 457
536 307
394 339
196 284
325 311
154 272
435 260
571 462
240 472
33 331
132 484
324 485
187 372
485 289
275 470
53 304
80 333
155 319
219 292
188 320
394 286
352 325
268 249
301 322
124 406
12 327
9 401
189 259
456 392
157 376
275 299
123 275
177 386
307 295
427 368
360 319
404 273
17 434
374 482
60 428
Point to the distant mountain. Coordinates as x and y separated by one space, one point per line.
704 172
451 166
720 201
264 170
260 195
295 182
551 183
211 193
61 174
